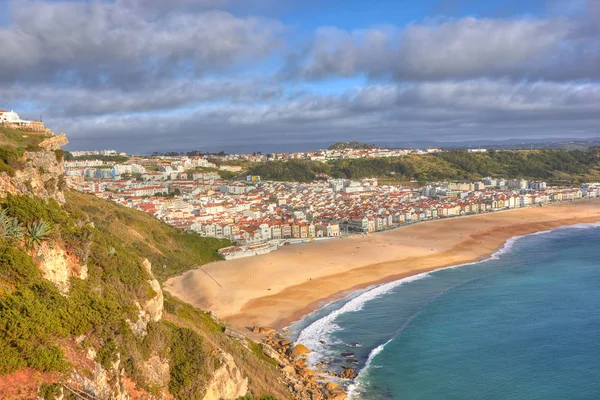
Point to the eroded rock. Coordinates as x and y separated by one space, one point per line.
227 382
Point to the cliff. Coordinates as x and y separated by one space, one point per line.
82 311
32 164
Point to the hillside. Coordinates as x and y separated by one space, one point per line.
82 312
551 165
351 145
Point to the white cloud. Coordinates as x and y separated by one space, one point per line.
465 48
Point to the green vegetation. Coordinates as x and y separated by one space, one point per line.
38 322
351 145
170 250
10 227
10 159
36 319
263 375
292 170
536 164
227 175
13 143
117 159
50 391
551 165
20 140
37 231
188 377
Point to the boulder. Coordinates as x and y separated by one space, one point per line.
234 334
289 369
267 331
298 351
347 373
337 394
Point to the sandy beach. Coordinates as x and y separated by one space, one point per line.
278 288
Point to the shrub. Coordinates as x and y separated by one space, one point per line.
10 358
107 354
16 265
60 154
10 159
48 359
28 209
189 374
50 391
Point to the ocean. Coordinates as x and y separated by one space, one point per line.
524 324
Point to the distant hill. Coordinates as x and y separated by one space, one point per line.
351 145
549 165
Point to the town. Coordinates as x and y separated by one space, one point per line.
190 192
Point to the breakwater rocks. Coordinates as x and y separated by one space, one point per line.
304 382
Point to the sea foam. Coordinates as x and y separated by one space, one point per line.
320 330
314 334
354 387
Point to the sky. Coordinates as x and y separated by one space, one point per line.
284 75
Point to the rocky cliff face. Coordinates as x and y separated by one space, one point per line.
152 309
93 372
227 382
58 266
41 174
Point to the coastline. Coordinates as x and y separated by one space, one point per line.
279 288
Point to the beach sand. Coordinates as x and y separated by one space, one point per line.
278 288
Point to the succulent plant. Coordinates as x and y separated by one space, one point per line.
10 227
37 231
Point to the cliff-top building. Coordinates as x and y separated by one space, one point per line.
11 119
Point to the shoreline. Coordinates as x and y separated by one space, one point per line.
242 297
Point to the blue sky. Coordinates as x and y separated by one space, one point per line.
151 75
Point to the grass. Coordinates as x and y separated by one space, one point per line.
263 375
18 139
36 320
170 250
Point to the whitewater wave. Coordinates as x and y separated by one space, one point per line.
320 330
354 387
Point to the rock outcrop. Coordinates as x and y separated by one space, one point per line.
299 351
151 309
41 174
303 382
227 382
101 383
58 266
154 306
55 142
347 373
156 371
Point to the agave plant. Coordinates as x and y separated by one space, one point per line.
111 251
37 231
10 227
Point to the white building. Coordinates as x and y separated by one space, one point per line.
11 117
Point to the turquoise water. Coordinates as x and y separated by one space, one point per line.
523 325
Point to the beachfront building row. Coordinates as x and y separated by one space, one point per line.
251 211
262 212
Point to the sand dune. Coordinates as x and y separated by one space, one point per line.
277 288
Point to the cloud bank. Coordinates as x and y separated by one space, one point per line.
202 74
